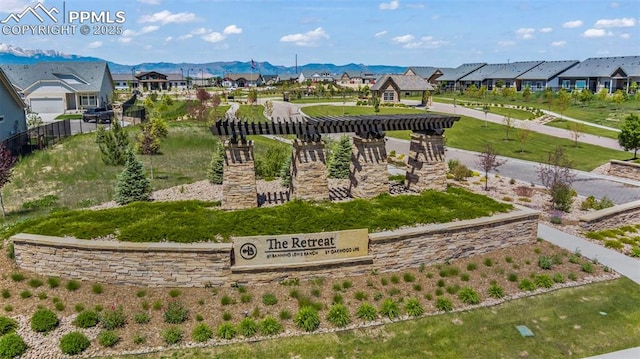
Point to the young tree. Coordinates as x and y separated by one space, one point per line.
252 97
563 101
113 144
509 123
132 183
7 161
340 161
526 94
148 143
285 172
618 97
576 129
585 96
215 171
487 161
34 120
524 133
215 103
629 136
547 95
485 109
268 108
200 111
376 104
556 175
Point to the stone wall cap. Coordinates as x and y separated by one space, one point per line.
69 242
354 260
596 215
625 163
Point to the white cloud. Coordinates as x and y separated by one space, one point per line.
624 22
168 39
128 33
94 45
558 43
573 24
426 42
185 37
149 2
380 34
167 17
525 33
614 5
124 40
625 36
389 6
213 37
148 29
232 29
403 39
15 5
594 33
546 29
199 31
506 43
310 38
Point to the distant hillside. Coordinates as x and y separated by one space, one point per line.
15 55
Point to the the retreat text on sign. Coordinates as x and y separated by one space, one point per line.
300 248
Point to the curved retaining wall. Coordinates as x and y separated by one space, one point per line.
624 169
204 264
612 217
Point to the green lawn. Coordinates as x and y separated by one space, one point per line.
568 323
328 110
314 99
251 113
584 129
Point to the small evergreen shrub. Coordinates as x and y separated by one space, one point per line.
7 325
96 288
338 315
53 282
337 287
108 338
285 315
172 335
25 294
367 312
133 184
113 318
347 284
86 319
444 304
270 326
226 316
465 277
337 299
307 319
201 333
527 285
545 262
226 331
73 285
469 296
471 266
496 291
226 300
59 306
488 262
176 313
12 345
6 294
247 327
141 317
512 277
543 281
34 283
17 277
173 293
413 307
389 308
417 287
408 277
395 279
269 299
139 339
587 267
43 321
74 343
245 298
558 278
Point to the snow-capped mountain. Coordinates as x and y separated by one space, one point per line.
18 51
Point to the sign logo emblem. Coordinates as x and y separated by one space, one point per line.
248 251
33 11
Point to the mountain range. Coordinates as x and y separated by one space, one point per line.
16 55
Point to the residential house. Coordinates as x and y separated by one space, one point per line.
597 73
450 78
315 76
544 75
13 118
356 78
270 79
429 73
252 79
497 75
392 88
57 87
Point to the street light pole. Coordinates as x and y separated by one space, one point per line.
188 86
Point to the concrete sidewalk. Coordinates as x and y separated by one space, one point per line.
631 353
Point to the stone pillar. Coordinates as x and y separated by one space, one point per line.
368 173
239 177
309 171
426 168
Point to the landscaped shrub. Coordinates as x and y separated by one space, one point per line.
367 312
512 277
226 316
173 293
176 313
269 299
12 346
285 314
226 331
496 291
34 283
408 277
558 278
74 343
389 308
133 184
587 267
17 277
7 325
338 315
53 282
201 333
43 321
360 296
86 319
545 262
469 296
544 281
472 266
395 279
139 338
113 318
270 326
73 285
96 288
527 285
108 338
247 327
444 304
79 307
413 307
307 319
6 293
141 317
25 294
172 335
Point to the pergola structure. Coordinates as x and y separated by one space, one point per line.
426 168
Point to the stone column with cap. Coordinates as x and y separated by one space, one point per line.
426 168
239 177
368 173
309 171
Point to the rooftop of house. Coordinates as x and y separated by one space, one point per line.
423 71
455 74
501 71
4 81
404 83
547 70
605 67
80 76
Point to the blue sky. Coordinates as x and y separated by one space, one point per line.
443 33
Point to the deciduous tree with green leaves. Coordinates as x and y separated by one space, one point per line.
132 183
7 161
148 139
487 161
563 101
629 136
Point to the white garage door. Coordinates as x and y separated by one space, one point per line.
47 105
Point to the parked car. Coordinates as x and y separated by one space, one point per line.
98 114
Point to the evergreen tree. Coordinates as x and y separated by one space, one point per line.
216 167
113 144
285 172
132 183
340 159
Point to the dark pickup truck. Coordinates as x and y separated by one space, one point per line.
98 114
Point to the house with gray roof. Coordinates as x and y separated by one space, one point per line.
315 76
243 80
58 87
428 73
13 117
356 78
149 81
544 75
450 78
597 73
392 88
494 74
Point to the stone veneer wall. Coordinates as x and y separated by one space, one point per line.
624 169
426 168
612 217
407 248
190 265
144 264
309 171
239 177
368 172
